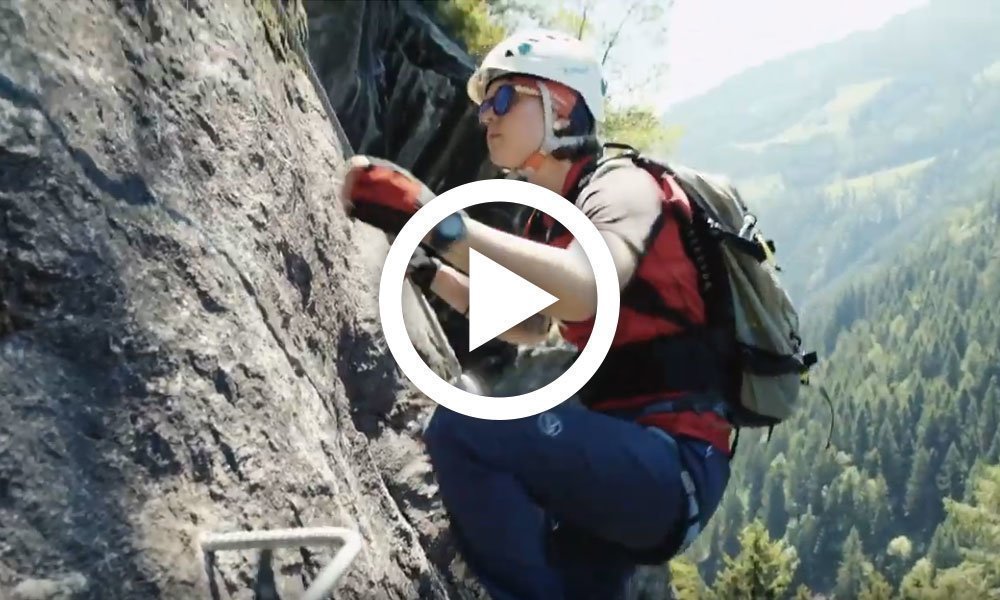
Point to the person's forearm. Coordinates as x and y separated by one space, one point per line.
452 286
566 274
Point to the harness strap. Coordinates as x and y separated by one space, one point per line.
684 362
693 523
535 227
693 402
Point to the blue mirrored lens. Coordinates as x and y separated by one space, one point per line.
500 102
503 99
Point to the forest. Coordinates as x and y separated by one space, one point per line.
903 499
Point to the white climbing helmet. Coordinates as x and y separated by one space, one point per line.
548 54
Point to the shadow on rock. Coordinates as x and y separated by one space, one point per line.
77 421
131 188
368 372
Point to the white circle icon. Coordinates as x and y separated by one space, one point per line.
589 359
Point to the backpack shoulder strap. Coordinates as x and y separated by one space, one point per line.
535 227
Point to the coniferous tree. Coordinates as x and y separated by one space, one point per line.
944 547
686 580
762 570
862 440
773 502
993 454
919 582
966 580
734 515
989 418
892 464
953 367
754 495
920 487
804 537
852 572
800 471
881 513
977 525
952 473
876 588
872 461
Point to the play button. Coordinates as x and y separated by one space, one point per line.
499 299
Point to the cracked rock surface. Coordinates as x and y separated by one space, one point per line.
189 337
189 331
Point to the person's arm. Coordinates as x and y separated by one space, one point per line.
564 273
623 206
452 286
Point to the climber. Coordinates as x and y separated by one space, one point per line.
565 504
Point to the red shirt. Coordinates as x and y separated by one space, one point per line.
627 201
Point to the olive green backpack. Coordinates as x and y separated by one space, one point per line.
744 297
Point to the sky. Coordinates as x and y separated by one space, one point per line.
754 31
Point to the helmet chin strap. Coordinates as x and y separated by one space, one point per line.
550 142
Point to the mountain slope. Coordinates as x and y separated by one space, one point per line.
912 365
847 149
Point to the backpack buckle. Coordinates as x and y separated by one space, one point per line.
749 222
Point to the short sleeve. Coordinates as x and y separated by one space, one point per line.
625 201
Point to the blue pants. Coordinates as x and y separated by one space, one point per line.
503 483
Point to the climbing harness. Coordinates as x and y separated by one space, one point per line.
694 512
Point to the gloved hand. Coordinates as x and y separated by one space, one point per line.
382 193
422 268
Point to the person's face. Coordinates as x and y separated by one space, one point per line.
518 132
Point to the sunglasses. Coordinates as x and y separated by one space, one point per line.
502 101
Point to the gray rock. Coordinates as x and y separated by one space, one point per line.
64 588
189 337
532 368
189 331
401 95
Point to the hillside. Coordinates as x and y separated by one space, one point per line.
912 366
872 163
848 149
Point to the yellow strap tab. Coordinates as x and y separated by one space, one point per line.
769 256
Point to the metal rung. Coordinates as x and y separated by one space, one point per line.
327 578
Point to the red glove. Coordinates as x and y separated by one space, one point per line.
382 194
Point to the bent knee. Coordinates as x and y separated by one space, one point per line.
711 473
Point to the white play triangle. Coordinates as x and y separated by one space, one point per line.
499 299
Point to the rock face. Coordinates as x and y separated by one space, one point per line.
397 82
189 336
